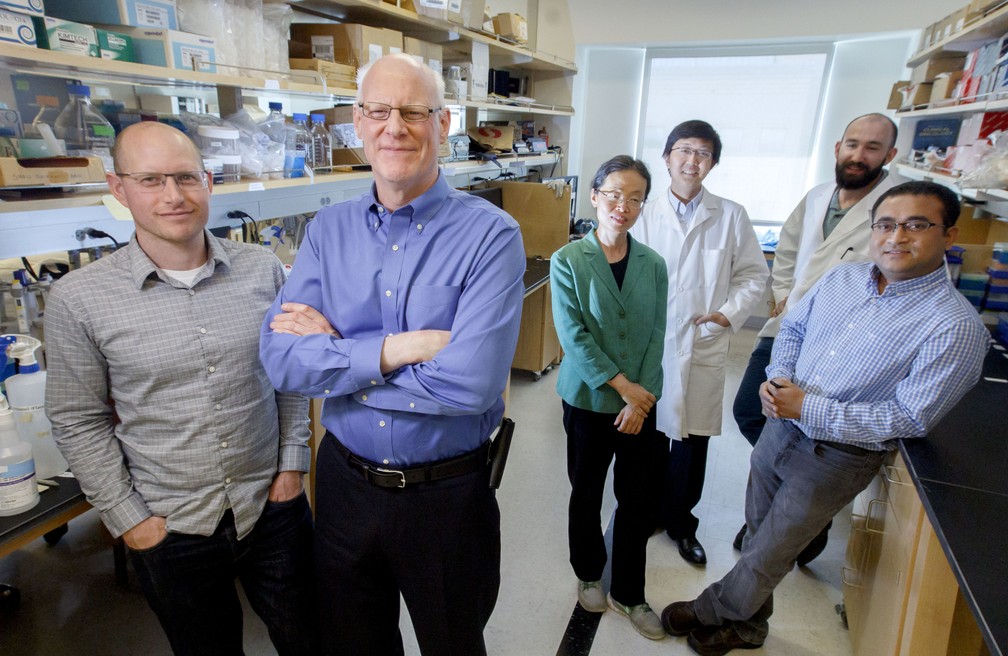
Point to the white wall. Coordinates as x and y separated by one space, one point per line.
874 39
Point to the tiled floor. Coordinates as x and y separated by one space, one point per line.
72 606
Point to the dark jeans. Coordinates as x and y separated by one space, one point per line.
189 582
747 408
592 443
438 544
683 487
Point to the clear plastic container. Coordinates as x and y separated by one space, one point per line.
275 124
299 143
216 141
215 167
231 169
49 111
321 150
85 131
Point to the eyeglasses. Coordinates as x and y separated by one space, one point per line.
186 180
409 113
690 152
913 225
618 199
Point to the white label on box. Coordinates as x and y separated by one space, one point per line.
374 51
151 16
257 186
190 54
323 47
394 51
418 58
436 65
434 4
455 5
272 84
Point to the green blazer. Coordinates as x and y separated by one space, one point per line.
605 330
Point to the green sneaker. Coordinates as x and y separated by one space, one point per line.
642 618
591 597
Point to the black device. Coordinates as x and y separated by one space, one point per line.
499 452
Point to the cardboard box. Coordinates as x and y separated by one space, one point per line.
437 9
944 62
978 8
50 171
543 218
173 49
15 28
430 54
31 7
916 94
896 94
115 45
347 43
341 75
944 86
493 137
511 26
138 13
467 13
66 36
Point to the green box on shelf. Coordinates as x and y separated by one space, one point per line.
62 35
115 45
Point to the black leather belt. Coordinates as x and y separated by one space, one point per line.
383 476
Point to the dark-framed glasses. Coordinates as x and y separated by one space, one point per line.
409 113
690 152
150 181
616 198
913 225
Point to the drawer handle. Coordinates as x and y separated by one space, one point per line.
869 515
895 475
843 578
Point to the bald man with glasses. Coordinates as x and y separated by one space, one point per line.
159 403
402 312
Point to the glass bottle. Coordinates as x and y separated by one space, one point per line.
85 131
321 152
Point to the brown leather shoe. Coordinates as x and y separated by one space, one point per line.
718 640
679 619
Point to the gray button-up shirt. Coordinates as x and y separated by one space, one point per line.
156 394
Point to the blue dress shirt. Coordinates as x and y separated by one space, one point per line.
447 261
878 367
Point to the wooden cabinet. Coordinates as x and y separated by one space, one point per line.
899 591
538 346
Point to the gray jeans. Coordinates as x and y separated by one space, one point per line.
796 486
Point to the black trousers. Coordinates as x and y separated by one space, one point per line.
747 409
684 481
438 544
592 443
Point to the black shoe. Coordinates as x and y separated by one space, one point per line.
737 543
679 619
718 640
814 548
692 551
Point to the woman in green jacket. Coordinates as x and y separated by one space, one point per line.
609 309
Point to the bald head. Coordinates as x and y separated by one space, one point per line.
876 119
402 63
150 133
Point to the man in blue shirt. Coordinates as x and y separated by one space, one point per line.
872 354
402 312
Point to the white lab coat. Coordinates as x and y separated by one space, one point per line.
803 256
716 265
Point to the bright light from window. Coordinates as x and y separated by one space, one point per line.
765 108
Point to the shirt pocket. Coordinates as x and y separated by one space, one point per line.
432 307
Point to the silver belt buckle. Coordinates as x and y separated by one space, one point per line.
402 476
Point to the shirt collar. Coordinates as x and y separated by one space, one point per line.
903 287
423 208
681 207
141 266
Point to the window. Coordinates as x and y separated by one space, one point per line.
764 105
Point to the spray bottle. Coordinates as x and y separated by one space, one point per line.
18 490
26 393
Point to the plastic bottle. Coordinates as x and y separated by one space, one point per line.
321 150
18 490
85 131
26 394
274 125
299 142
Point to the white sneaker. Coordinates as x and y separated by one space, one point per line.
591 597
642 618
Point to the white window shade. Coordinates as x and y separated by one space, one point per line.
764 106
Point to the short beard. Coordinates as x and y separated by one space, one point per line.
846 180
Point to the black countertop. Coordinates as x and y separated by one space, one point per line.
960 471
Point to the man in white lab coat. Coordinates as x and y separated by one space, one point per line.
830 225
717 274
